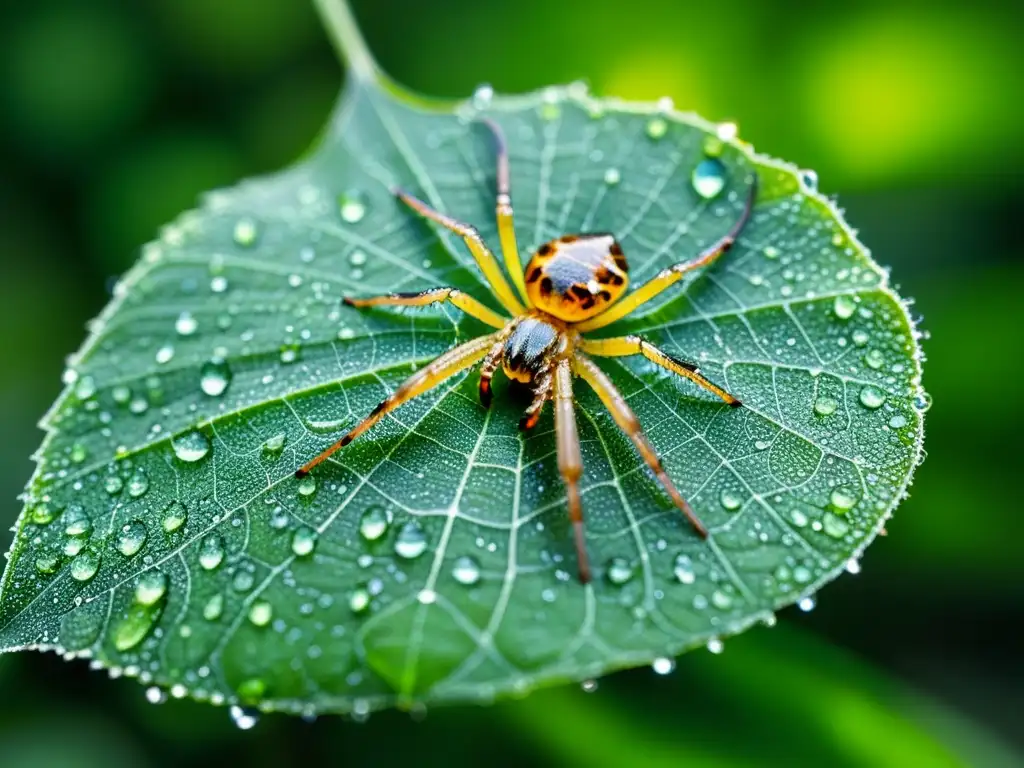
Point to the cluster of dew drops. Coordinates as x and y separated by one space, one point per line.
708 179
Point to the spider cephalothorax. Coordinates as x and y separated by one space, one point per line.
571 285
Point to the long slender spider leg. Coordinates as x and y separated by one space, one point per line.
463 301
484 258
541 394
503 212
622 346
445 366
487 369
674 274
570 461
630 425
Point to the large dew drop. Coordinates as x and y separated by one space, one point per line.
374 523
303 541
411 542
466 571
191 446
708 178
131 538
352 207
214 377
619 571
211 552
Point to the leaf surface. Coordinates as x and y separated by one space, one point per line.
166 537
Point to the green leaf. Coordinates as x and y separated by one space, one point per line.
165 535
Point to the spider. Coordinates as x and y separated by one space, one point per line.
571 285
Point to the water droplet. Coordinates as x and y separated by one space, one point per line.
85 388
588 686
612 177
708 178
731 500
211 551
131 538
274 445
482 95
358 600
214 607
656 128
307 486
721 600
186 324
78 453
214 377
121 394
619 570
77 522
872 397
113 485
411 541
47 563
825 406
427 597
466 570
303 541
244 718
727 131
260 613
357 258
810 179
245 232
150 588
138 483
898 421
374 523
834 526
842 499
715 645
252 689
191 446
352 207
663 665
844 306
683 570
922 401
874 358
42 514
155 695
219 284
860 338
174 517
770 252
853 566
806 604
85 565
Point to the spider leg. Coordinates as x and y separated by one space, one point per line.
487 369
570 461
541 394
484 258
445 366
622 346
630 425
674 274
503 211
463 301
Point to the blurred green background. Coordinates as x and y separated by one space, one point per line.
116 115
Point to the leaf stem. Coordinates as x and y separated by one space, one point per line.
347 39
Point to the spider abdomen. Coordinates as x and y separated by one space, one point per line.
577 276
528 348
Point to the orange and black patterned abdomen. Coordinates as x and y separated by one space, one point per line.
577 276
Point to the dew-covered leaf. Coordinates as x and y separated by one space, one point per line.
165 535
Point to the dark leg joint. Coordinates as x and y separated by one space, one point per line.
485 392
735 403
301 473
529 421
347 301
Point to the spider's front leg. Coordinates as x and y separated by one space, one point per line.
454 296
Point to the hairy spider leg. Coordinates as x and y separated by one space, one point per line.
445 366
487 369
623 346
674 274
541 394
484 258
570 461
503 211
463 301
630 425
